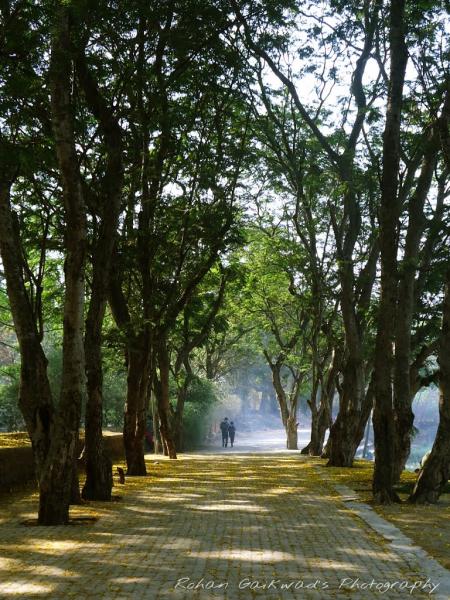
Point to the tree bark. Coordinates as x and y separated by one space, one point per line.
138 362
35 398
313 444
404 417
156 429
163 397
291 433
177 424
326 404
288 410
56 480
390 209
344 430
99 482
409 290
436 471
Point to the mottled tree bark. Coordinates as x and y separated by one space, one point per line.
35 398
326 404
288 406
311 447
56 478
383 414
404 417
410 287
138 359
98 483
163 397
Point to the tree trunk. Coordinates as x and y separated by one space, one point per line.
312 447
291 433
343 433
99 482
35 398
436 471
407 296
135 414
156 430
288 413
365 453
324 422
366 410
163 397
56 477
342 445
383 414
326 404
178 417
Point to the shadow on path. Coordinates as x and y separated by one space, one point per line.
234 523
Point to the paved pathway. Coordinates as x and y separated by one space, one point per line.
249 525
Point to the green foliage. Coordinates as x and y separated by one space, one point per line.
114 394
10 416
202 395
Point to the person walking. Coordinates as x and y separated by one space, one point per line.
231 433
224 426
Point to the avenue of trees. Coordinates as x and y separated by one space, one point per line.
190 188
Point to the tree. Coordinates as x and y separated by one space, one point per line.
436 471
195 325
98 482
185 139
401 281
340 151
281 323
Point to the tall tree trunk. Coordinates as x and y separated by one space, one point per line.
163 397
157 442
134 426
177 423
390 209
291 433
288 413
408 296
326 403
138 348
436 471
56 480
99 482
311 447
343 433
365 413
35 397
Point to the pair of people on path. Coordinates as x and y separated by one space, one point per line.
228 431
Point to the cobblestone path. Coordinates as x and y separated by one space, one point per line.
247 526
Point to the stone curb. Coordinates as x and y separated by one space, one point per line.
398 542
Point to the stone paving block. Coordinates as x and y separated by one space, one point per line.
210 527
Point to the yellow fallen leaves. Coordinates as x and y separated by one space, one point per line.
428 526
14 440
